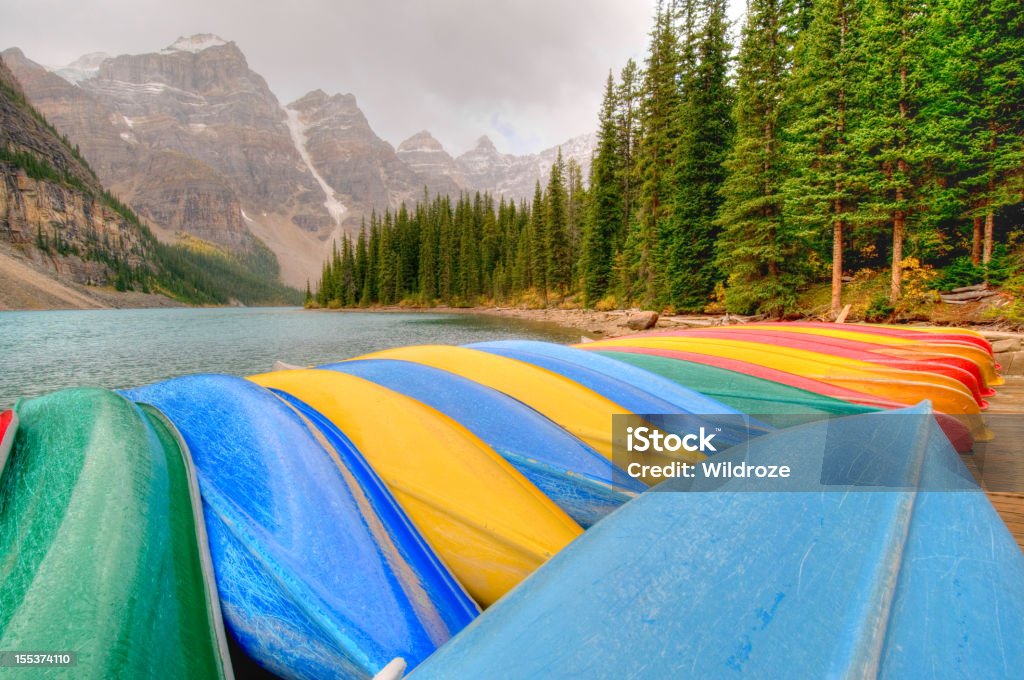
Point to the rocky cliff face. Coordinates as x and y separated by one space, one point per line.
193 140
362 168
425 156
196 142
51 208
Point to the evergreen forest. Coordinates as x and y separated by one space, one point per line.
820 144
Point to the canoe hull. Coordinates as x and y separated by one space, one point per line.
92 475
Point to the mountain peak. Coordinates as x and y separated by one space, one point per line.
421 141
485 144
316 99
196 43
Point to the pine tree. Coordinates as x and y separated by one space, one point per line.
821 191
889 137
577 199
706 135
559 267
361 266
655 157
629 97
762 251
347 293
983 102
538 241
606 196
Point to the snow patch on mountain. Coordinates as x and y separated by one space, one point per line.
298 132
83 68
195 43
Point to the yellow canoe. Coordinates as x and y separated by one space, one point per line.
906 387
983 359
489 524
579 410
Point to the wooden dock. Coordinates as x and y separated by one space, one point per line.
999 465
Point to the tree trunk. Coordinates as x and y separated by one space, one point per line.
837 261
899 226
976 241
990 225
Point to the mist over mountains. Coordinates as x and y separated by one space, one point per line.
196 143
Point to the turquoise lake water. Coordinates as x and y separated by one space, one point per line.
115 348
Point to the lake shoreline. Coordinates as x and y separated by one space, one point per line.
594 324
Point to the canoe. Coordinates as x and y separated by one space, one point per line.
845 581
920 333
973 380
964 335
102 543
870 334
585 484
641 392
961 430
8 428
913 353
580 411
968 344
679 398
756 396
905 387
489 524
321 574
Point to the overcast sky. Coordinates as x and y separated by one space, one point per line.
528 73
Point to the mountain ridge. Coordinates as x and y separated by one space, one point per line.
196 142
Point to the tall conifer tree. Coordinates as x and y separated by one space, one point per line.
763 253
706 134
822 188
606 212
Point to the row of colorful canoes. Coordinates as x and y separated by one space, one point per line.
369 510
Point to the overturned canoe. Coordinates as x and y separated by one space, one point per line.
635 389
489 524
905 387
307 544
102 542
963 371
581 411
961 430
746 393
578 479
679 398
965 346
875 574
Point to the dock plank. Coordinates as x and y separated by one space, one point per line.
999 465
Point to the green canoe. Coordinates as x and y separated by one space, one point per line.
102 546
782 405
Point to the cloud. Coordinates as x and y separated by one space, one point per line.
529 73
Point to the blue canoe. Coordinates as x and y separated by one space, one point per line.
320 572
635 389
862 578
576 477
683 400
